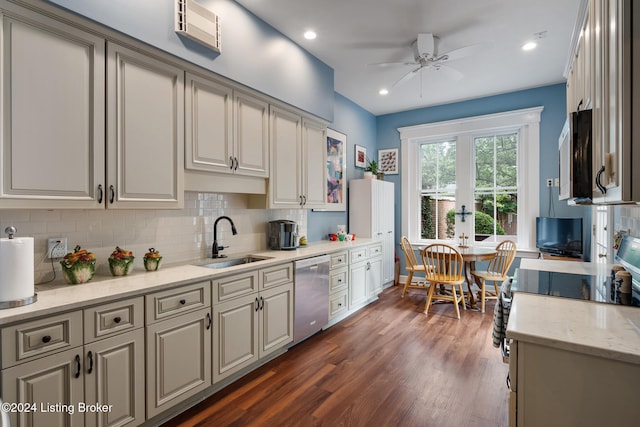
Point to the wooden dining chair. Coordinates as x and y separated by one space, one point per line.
496 272
412 267
444 267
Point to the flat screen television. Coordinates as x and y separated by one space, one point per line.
559 236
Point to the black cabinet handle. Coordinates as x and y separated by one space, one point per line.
261 303
304 200
117 319
46 339
112 191
90 357
257 304
209 321
235 168
78 366
231 161
601 187
100 194
183 302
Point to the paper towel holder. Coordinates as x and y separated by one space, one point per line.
11 230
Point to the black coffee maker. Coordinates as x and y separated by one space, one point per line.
283 234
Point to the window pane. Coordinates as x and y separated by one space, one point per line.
507 160
439 166
437 216
484 162
496 216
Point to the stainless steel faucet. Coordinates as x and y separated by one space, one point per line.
215 248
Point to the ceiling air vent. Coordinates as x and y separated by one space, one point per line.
198 23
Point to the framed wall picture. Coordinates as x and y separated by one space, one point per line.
360 156
336 171
388 161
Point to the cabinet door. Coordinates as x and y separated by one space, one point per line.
178 359
114 375
285 168
209 121
235 335
374 276
54 384
276 327
357 284
251 135
387 228
145 134
53 108
314 164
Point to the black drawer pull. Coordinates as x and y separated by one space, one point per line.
117 319
183 302
78 366
90 356
46 339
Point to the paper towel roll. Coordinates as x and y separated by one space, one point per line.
16 269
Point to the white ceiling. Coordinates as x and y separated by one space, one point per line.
353 34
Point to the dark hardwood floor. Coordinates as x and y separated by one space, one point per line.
386 365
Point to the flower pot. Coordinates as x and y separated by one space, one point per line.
368 175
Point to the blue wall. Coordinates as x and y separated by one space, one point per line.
552 98
360 128
253 53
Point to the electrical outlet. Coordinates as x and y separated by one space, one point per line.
550 182
57 247
556 182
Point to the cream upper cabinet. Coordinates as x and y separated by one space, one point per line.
600 78
209 127
145 133
251 135
53 102
226 129
298 168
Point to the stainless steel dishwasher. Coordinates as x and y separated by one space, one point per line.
311 311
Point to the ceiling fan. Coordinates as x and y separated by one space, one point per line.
426 56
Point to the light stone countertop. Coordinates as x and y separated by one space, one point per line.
58 296
603 330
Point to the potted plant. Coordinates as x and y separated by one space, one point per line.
372 169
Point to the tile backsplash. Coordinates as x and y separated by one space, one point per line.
179 235
627 218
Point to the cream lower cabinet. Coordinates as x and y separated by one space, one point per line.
365 274
338 285
254 325
107 372
557 387
178 345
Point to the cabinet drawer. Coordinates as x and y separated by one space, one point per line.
113 318
37 338
338 280
165 304
357 255
374 250
338 303
235 286
339 260
274 276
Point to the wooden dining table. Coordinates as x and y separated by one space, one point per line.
470 255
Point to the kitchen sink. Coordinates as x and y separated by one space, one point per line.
230 262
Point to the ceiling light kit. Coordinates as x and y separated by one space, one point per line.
310 35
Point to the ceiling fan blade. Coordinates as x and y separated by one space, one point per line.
406 77
454 54
391 64
448 72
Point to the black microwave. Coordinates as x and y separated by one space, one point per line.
575 145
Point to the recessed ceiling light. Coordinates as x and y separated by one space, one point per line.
383 91
310 35
529 46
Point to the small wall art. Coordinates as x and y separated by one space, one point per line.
360 156
336 170
388 161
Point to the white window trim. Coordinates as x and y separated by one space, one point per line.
527 120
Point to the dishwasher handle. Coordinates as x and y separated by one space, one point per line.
312 262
